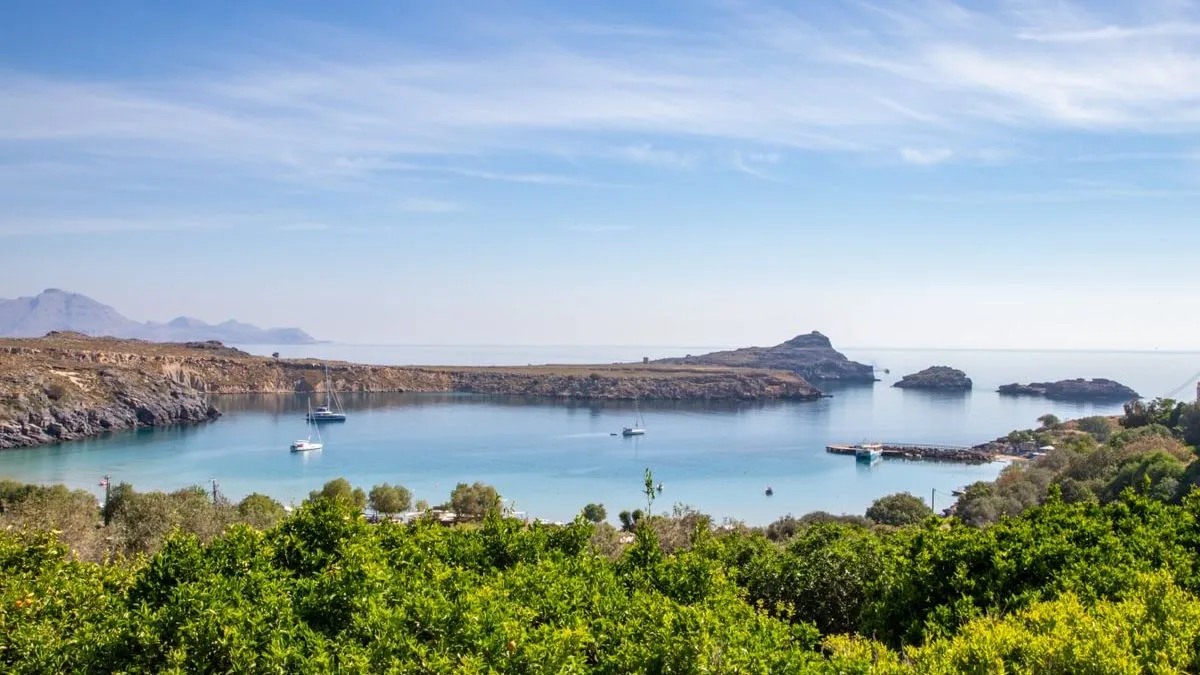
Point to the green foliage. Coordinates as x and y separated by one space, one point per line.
1049 421
899 509
339 489
327 592
1154 628
630 519
594 513
1097 425
260 511
390 499
1162 411
824 576
474 501
1189 424
1057 588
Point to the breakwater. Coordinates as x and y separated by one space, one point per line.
921 451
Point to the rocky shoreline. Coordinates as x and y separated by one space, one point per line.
69 386
50 414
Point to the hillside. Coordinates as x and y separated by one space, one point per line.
57 310
810 356
67 386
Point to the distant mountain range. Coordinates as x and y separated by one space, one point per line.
55 310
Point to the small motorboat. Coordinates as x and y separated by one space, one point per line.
660 488
770 491
633 431
305 445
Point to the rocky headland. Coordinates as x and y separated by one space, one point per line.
1096 390
66 386
936 378
810 356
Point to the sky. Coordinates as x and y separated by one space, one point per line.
918 173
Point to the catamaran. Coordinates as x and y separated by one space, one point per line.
639 425
332 410
307 444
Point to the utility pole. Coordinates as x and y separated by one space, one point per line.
932 496
104 483
214 489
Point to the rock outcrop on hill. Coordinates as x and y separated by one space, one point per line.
1097 390
66 386
810 356
56 310
936 378
47 406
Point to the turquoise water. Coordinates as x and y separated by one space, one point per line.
552 457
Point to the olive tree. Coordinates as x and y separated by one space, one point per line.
339 489
899 509
389 499
595 513
474 501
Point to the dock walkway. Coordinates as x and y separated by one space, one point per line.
923 451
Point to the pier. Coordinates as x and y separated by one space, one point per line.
922 451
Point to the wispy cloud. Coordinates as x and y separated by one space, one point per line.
652 156
304 226
855 78
33 226
752 164
429 206
927 156
1060 195
1109 33
594 228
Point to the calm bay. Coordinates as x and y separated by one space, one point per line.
552 457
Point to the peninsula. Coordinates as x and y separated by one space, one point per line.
66 385
811 356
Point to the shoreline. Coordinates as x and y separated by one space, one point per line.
66 387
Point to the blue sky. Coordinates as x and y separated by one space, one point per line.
1013 174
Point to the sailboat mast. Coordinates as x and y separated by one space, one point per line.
328 389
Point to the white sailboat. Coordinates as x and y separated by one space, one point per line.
639 424
332 410
307 444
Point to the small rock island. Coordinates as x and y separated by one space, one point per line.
1098 390
936 378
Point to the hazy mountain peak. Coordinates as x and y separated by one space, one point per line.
57 310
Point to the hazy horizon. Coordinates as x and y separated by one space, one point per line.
986 175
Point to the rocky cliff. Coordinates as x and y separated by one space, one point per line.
936 378
47 405
810 356
68 386
1098 390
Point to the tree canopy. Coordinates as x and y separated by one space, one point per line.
474 501
901 508
389 499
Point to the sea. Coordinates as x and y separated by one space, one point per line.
549 458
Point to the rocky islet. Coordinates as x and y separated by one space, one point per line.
936 378
1079 389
